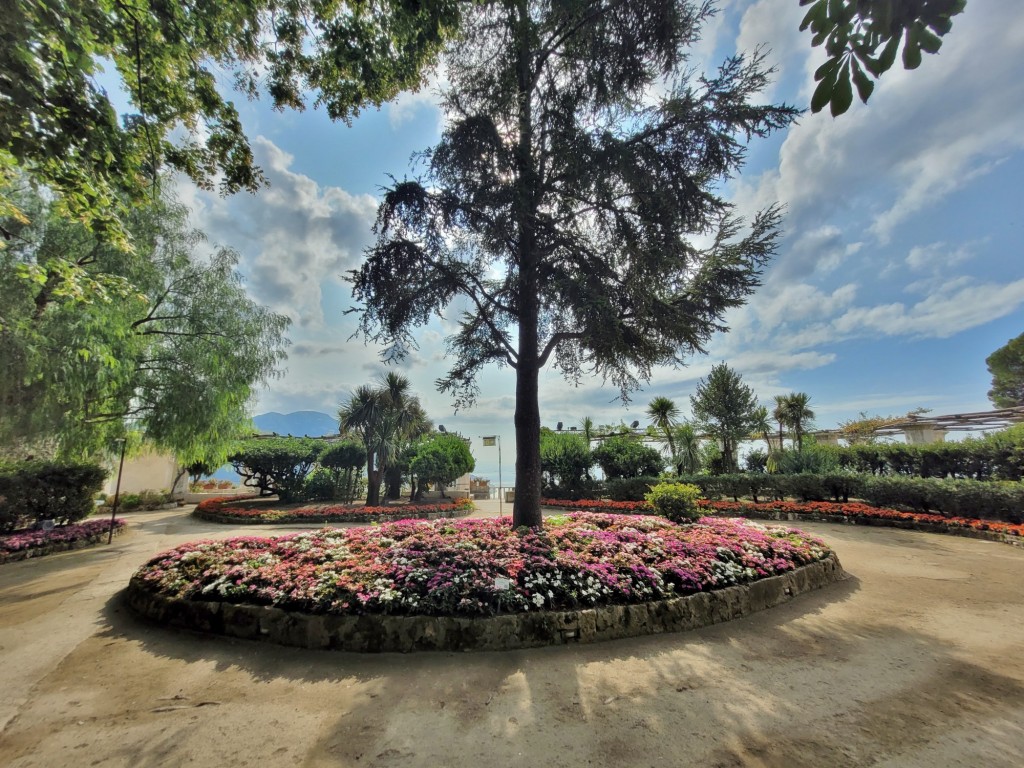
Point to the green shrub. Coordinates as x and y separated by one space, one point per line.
565 462
442 459
629 488
625 456
964 498
337 476
675 501
840 486
756 461
321 485
277 465
42 490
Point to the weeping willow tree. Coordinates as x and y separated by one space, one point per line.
94 339
579 161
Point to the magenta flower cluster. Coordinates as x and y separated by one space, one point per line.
65 534
480 567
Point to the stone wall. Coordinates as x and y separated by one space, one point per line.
376 633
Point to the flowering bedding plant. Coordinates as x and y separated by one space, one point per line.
810 508
477 567
227 507
64 534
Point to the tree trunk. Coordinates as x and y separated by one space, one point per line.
372 483
393 482
526 508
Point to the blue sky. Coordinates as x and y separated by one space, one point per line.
899 272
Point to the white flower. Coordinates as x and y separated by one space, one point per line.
538 600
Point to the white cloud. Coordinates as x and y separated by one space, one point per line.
940 315
294 236
776 29
778 304
411 104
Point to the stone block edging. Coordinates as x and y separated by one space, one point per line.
59 546
879 522
213 517
373 633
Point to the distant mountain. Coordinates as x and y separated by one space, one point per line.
299 423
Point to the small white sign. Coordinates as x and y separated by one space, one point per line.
500 582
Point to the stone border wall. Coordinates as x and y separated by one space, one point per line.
377 633
213 517
59 546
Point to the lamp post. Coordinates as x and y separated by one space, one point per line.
117 489
490 440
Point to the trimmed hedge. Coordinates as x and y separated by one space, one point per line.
997 456
277 464
46 490
967 498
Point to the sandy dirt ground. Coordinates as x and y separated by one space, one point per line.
915 661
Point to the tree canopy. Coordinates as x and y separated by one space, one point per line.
578 159
174 59
164 337
442 459
626 456
727 408
1006 365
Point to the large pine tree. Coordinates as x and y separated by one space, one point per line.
579 157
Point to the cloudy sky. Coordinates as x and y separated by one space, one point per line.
900 270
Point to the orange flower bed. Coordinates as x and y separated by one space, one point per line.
804 508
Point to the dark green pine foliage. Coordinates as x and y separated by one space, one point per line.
577 161
725 407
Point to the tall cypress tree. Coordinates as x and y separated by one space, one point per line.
578 157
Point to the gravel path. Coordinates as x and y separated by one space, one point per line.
915 661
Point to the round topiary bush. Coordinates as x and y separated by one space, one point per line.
676 501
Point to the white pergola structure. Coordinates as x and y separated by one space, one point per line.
921 429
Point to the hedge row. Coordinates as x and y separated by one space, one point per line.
42 490
967 498
998 456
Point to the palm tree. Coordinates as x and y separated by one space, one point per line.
798 414
687 459
362 416
762 426
663 414
781 414
588 428
386 418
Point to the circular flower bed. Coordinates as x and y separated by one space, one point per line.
233 510
850 512
479 567
25 544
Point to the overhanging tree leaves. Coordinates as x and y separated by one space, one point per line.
174 59
577 159
862 38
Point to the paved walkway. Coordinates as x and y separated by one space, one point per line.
913 661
